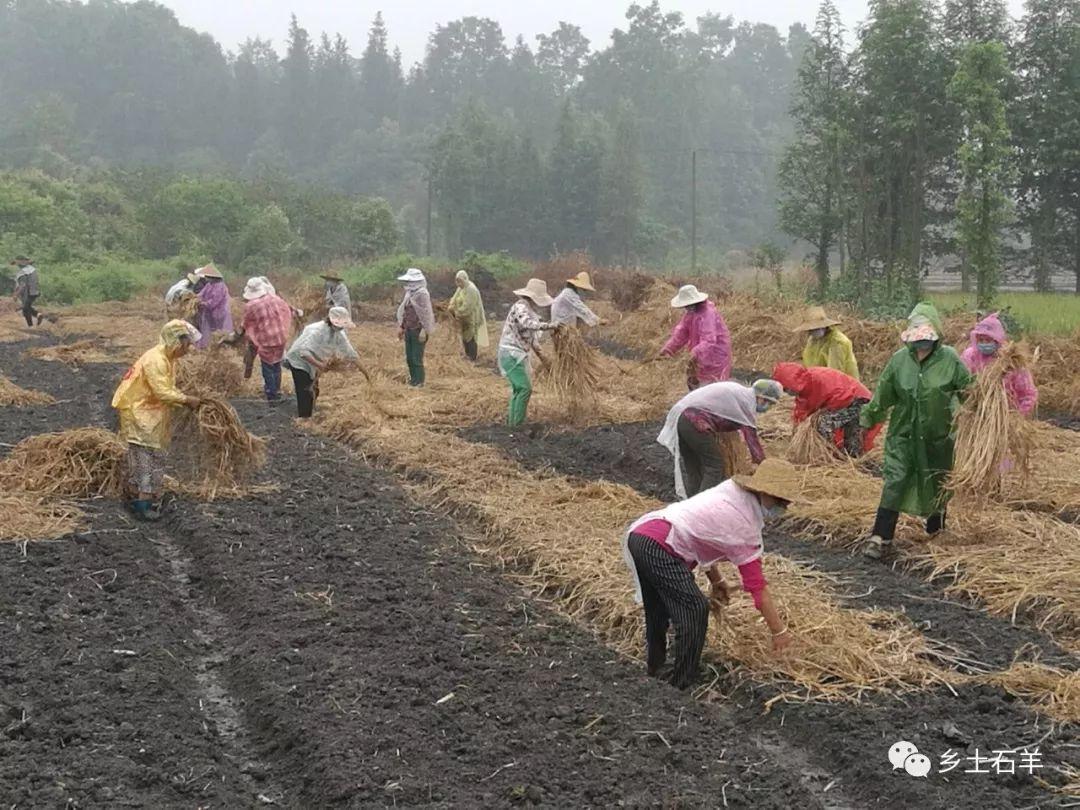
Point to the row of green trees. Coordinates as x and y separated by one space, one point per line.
127 84
948 137
113 215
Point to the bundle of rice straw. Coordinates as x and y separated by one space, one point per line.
82 463
991 436
77 353
221 451
1054 691
188 306
733 452
11 394
809 447
215 371
33 517
575 372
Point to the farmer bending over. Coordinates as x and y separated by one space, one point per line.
704 333
723 523
311 353
921 386
696 423
144 400
836 397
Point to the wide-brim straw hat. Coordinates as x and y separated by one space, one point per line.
256 288
340 317
687 296
20 260
330 276
536 291
412 274
192 278
815 318
209 272
774 477
582 281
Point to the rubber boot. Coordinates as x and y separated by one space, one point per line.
144 510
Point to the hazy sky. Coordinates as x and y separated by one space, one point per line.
410 21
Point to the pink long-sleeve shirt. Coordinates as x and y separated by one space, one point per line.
704 333
1019 385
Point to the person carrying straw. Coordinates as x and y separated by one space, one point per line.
568 309
178 291
704 333
215 311
698 423
416 322
836 398
724 523
826 346
27 289
144 400
921 387
267 322
467 308
987 338
311 353
520 336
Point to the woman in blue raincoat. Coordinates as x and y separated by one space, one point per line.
921 386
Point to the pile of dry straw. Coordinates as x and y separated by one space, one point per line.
12 394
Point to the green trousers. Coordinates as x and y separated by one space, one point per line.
520 388
414 356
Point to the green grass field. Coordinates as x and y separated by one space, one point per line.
1045 313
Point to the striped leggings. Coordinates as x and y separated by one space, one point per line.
670 596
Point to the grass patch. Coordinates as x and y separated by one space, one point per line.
1041 313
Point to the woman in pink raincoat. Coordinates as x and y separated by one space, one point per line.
703 332
986 338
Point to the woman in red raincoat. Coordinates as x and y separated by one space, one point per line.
837 396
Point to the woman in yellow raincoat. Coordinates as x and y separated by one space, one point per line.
826 346
468 309
144 399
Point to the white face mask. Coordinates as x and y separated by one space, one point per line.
817 333
776 510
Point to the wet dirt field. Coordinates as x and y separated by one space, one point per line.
334 643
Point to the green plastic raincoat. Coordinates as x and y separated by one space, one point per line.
467 306
923 398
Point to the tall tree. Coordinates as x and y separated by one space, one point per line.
977 90
901 71
622 190
561 57
380 77
813 200
1046 119
296 101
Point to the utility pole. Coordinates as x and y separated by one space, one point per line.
427 252
693 210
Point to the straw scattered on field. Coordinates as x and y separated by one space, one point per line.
12 394
74 354
29 517
564 534
82 463
1050 690
808 446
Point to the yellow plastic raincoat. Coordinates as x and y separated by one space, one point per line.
832 351
148 391
467 306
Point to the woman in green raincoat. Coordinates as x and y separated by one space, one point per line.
921 385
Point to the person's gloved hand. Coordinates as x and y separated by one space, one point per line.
423 336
